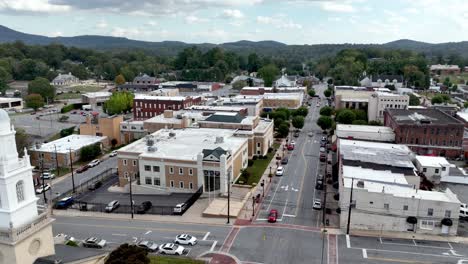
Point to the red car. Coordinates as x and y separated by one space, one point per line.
272 216
82 169
290 147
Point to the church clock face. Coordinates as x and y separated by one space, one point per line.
34 247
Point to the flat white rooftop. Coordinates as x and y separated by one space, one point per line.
463 115
159 98
98 94
429 161
185 144
368 129
370 174
73 142
8 100
196 115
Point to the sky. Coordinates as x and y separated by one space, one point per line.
219 21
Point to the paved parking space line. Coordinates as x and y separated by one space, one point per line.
188 252
414 244
364 253
400 260
348 241
412 253
289 215
206 235
213 246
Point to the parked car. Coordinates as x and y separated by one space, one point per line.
278 157
148 245
172 249
296 134
323 157
323 150
82 169
290 147
273 216
94 242
43 188
317 204
324 139
280 171
179 208
311 134
285 160
113 153
185 239
112 206
143 207
94 163
47 175
95 185
64 203
319 185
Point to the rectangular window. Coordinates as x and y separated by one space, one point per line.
157 181
258 144
436 170
124 162
156 168
190 171
386 206
405 208
424 169
191 185
448 213
443 168
181 171
147 168
430 212
171 170
134 163
181 185
172 184
148 180
427 224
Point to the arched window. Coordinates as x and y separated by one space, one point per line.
20 191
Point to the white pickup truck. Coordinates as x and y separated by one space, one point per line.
463 211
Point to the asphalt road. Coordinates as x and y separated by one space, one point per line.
293 193
64 184
117 232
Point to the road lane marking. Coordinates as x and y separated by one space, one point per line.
213 246
122 235
348 241
289 215
206 236
415 243
148 232
400 260
285 205
364 253
411 253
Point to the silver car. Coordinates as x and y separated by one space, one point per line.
148 245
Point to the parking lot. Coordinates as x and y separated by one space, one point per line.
390 250
102 196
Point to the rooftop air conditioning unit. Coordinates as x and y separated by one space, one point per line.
360 184
172 134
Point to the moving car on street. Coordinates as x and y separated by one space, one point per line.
64 203
94 163
148 245
280 171
285 160
113 153
82 169
94 242
47 175
172 249
42 188
185 239
273 216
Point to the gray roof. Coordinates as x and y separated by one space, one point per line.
422 116
225 118
144 77
383 77
217 152
66 254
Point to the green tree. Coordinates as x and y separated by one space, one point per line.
268 74
465 104
119 102
5 76
88 153
283 129
413 100
287 112
359 122
42 86
22 140
119 79
34 101
239 85
311 92
375 123
440 99
298 121
67 131
128 254
127 74
326 111
327 93
346 117
301 111
325 122
360 114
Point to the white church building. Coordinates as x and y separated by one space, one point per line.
25 230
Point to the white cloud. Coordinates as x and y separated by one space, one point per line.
264 20
151 23
131 32
279 21
31 6
233 13
341 7
56 34
102 24
192 19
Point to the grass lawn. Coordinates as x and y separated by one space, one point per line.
173 260
85 88
259 166
455 79
66 96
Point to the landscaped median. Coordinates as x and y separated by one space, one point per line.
173 260
256 168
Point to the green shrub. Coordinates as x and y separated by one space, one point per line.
67 108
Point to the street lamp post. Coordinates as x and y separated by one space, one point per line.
71 168
43 181
253 206
263 187
131 196
56 162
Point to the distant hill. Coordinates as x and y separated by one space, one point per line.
267 48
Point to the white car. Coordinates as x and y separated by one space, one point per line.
94 163
47 176
43 188
94 242
317 204
185 239
293 142
113 153
172 249
148 245
280 171
322 149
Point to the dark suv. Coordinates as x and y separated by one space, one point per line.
95 185
143 207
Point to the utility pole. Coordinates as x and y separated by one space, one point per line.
71 168
253 206
43 182
229 196
56 162
349 209
263 187
131 195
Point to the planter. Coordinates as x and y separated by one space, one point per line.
447 222
412 220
